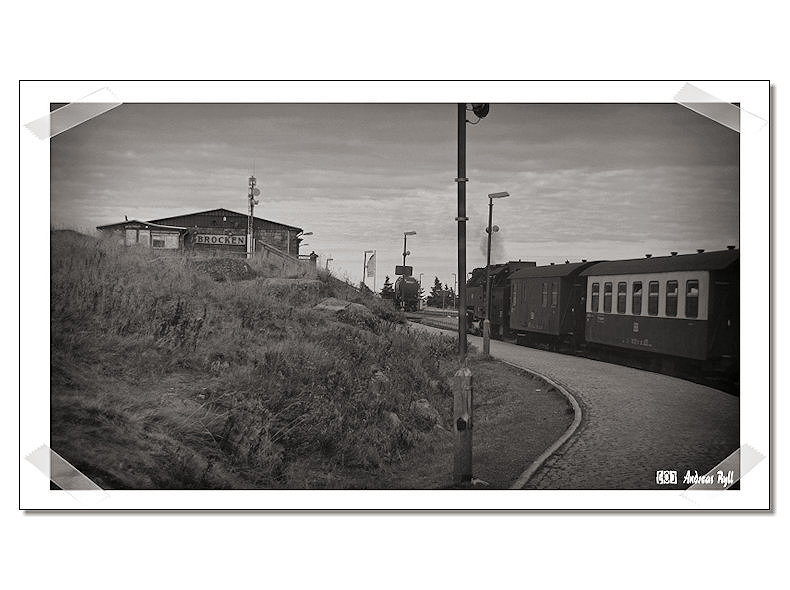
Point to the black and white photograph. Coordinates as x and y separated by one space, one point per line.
469 300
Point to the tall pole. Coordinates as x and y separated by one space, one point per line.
375 271
486 321
404 251
462 380
250 237
462 218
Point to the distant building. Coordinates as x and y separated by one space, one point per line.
219 231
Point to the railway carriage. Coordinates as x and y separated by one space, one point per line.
547 305
667 308
500 295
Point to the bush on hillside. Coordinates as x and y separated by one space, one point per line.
264 382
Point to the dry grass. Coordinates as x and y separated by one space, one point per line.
165 378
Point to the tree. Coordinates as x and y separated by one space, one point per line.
435 298
387 292
446 297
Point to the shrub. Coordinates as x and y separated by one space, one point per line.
264 381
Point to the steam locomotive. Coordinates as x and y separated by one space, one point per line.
407 293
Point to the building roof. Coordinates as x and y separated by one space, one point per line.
222 212
147 224
717 260
551 270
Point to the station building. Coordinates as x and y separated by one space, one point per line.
217 231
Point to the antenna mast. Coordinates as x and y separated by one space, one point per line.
251 194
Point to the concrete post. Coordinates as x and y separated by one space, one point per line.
486 337
462 425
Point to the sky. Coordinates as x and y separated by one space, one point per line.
586 181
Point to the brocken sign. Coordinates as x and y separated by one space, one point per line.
221 239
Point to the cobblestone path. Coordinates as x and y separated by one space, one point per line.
634 423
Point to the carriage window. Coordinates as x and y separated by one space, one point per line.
636 298
607 297
692 299
554 294
672 298
544 295
652 298
622 289
594 298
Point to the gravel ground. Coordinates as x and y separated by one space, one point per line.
634 423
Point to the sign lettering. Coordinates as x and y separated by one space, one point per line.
220 239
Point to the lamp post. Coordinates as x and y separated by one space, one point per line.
462 380
405 251
490 230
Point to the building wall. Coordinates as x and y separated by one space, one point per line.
158 239
217 241
279 238
226 222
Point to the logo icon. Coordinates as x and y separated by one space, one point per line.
664 478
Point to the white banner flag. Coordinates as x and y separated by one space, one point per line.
372 266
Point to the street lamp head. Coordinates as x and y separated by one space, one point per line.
410 233
501 195
494 229
480 109
303 234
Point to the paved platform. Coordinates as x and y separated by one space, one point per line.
633 423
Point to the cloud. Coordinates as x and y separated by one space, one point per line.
585 181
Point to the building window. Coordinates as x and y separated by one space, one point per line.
607 297
692 299
157 242
652 298
554 295
596 288
622 291
636 298
544 295
672 298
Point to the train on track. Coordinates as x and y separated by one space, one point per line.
407 293
677 314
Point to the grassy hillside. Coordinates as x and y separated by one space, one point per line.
163 377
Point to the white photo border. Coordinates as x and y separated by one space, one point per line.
752 96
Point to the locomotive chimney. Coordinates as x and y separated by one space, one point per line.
674 253
552 264
584 260
648 255
700 250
